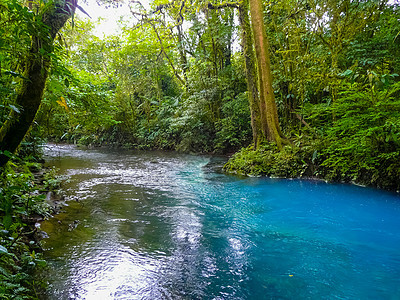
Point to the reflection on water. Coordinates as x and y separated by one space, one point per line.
154 225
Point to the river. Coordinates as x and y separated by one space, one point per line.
160 225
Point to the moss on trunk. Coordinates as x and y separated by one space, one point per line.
268 111
251 72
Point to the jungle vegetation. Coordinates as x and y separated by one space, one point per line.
206 77
296 88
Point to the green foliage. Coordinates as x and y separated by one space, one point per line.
234 130
290 162
18 25
19 200
126 94
361 143
30 148
364 143
195 125
51 181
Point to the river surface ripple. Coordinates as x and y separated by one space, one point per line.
156 225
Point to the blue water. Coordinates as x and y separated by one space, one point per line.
168 226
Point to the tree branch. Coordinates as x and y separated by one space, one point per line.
222 5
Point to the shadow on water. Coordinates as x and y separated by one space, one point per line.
155 225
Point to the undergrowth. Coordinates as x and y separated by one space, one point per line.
22 204
358 141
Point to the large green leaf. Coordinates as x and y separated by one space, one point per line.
3 250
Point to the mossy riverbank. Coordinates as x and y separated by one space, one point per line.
317 159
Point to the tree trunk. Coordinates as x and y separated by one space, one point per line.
227 51
31 90
268 111
251 74
182 54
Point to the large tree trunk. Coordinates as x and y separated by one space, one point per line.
251 73
268 111
31 90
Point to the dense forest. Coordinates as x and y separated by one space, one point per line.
296 88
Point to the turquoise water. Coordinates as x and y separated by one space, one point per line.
153 225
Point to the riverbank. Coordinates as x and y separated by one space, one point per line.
28 195
320 159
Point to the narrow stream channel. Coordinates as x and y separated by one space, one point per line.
156 225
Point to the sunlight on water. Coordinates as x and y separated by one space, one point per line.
153 225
